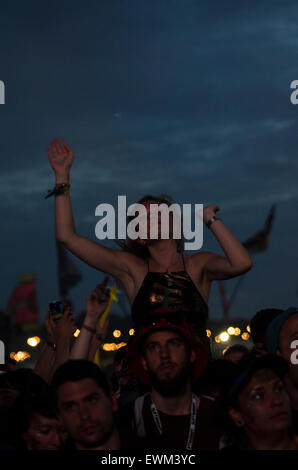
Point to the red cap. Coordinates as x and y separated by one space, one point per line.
134 355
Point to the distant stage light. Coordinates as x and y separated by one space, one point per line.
20 356
224 336
245 336
113 346
33 342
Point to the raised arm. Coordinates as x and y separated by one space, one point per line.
45 362
64 334
237 260
97 339
114 262
57 347
96 303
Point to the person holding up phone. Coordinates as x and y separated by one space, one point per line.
57 347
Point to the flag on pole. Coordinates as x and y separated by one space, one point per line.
22 305
255 244
68 273
259 241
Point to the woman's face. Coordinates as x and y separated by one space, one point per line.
264 405
44 433
159 222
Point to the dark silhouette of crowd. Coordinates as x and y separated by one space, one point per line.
166 392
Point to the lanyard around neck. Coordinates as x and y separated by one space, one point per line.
192 425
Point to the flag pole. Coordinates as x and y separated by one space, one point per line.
255 244
232 298
68 273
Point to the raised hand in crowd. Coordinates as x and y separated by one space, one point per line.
61 158
56 350
64 334
97 338
96 303
45 362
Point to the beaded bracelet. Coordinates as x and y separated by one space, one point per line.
60 188
210 221
88 328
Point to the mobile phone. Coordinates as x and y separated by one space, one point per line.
56 309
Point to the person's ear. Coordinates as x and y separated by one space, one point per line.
114 401
144 364
193 356
236 416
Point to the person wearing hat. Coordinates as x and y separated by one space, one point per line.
258 328
281 335
167 356
259 407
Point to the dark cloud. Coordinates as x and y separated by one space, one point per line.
188 98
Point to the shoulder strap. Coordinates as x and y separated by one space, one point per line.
138 412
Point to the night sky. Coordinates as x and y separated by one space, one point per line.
184 97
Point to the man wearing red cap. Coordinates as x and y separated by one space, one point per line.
168 357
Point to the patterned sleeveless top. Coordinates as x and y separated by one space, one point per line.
171 289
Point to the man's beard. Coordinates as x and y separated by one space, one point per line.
171 387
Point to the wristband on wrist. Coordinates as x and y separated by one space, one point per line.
88 328
52 345
60 188
210 221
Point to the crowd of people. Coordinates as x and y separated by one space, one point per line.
166 391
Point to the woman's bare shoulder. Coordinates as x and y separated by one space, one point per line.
135 265
198 257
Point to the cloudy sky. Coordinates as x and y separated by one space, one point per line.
185 97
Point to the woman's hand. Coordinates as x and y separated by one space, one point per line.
96 303
61 157
51 328
66 326
209 212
